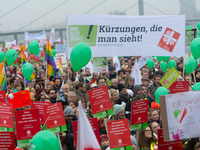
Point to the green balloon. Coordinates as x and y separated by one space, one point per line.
11 56
80 56
164 58
44 140
37 52
163 66
153 56
150 63
53 52
2 56
172 63
196 87
195 47
160 91
190 65
198 26
27 70
188 27
33 47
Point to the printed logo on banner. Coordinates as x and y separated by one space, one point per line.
82 33
169 39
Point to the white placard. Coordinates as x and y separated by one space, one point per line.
63 59
111 35
183 111
40 36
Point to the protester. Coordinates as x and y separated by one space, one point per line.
147 139
193 144
154 126
69 117
119 112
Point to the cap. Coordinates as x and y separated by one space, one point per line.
93 85
68 111
120 87
154 105
117 108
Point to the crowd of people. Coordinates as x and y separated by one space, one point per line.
68 88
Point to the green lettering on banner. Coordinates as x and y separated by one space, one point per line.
139 126
104 114
6 129
24 143
169 78
123 148
82 33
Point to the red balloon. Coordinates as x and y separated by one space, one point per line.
17 149
11 47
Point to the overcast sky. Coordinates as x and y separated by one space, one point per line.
30 10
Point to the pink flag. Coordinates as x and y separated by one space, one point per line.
86 137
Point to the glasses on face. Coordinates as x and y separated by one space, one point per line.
64 76
65 88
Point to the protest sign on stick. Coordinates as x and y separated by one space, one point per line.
6 117
169 78
139 115
100 64
179 86
19 99
119 134
54 118
180 115
27 125
100 102
39 105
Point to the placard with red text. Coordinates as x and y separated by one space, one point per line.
39 105
7 140
27 125
19 99
54 117
139 115
119 134
100 102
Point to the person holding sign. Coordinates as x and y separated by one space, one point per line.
69 117
119 112
147 139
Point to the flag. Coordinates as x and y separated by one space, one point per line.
51 66
31 78
142 61
117 64
136 74
60 67
23 57
3 72
88 142
58 40
52 36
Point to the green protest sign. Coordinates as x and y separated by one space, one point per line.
169 78
100 64
190 34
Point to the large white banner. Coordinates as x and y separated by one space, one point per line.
40 36
110 35
183 111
